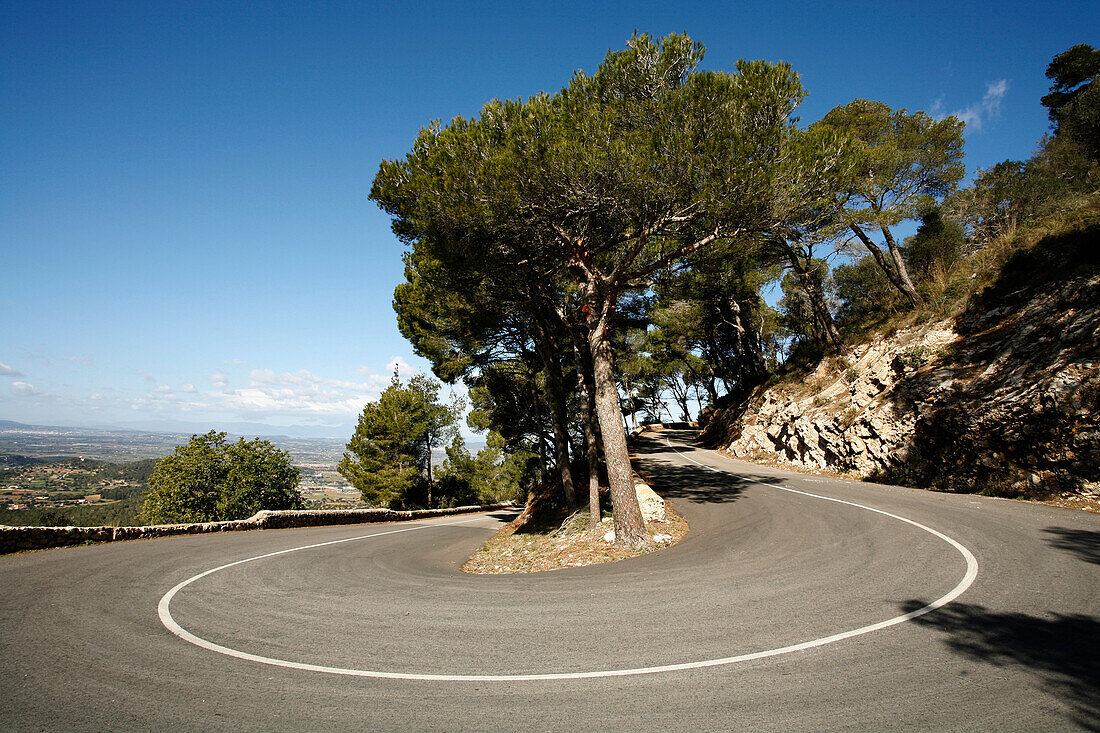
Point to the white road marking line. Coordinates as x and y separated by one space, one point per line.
958 590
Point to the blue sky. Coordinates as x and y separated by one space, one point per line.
185 233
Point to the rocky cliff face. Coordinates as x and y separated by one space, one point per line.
1003 399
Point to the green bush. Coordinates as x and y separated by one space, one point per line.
864 291
913 357
210 480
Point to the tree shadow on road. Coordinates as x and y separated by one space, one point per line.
1081 542
693 483
1063 651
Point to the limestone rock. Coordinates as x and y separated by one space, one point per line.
653 506
1007 396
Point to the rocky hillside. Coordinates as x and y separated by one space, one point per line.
1003 399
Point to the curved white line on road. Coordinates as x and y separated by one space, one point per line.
165 614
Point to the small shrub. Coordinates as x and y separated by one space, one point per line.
848 419
820 401
851 375
913 357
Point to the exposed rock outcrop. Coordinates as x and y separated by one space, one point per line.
1003 399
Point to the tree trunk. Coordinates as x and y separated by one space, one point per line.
908 288
559 415
892 274
711 388
537 402
429 439
679 391
586 388
817 300
629 525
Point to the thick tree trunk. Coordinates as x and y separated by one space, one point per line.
629 525
586 388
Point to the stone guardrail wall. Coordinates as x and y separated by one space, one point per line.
652 427
18 539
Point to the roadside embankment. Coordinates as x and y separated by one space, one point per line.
1003 398
19 539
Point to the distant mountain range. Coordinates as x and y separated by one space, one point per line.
168 433
176 427
247 429
129 443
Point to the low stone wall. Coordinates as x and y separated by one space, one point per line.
650 502
18 539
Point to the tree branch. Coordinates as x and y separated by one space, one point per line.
677 253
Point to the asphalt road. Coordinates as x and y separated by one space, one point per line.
382 631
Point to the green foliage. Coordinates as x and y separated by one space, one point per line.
393 441
902 161
864 291
492 475
506 398
800 320
935 249
913 357
211 480
1014 193
554 208
123 513
1074 99
901 164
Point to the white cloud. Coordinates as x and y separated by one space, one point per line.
261 395
301 392
270 396
403 369
86 359
989 107
306 379
9 371
377 382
